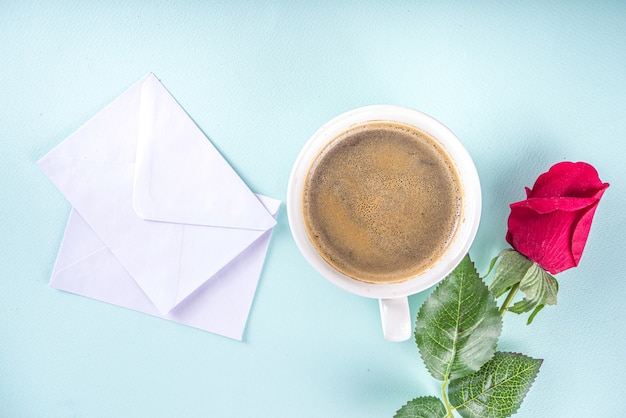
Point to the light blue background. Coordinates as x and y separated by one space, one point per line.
523 84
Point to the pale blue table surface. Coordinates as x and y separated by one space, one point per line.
523 84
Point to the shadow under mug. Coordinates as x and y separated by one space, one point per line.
393 301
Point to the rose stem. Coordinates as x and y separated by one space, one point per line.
509 298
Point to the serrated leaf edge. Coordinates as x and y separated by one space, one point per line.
532 381
441 283
415 399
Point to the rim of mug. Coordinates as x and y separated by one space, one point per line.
468 222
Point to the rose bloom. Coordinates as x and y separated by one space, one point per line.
551 226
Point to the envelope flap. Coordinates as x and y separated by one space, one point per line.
225 244
181 177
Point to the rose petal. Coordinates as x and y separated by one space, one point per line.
543 238
551 226
547 205
528 192
568 179
582 228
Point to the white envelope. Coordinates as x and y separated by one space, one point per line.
161 223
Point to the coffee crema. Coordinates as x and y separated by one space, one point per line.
381 202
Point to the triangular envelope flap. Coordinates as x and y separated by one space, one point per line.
228 244
181 177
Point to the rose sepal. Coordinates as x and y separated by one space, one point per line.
515 272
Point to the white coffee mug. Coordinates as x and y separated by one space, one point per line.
393 301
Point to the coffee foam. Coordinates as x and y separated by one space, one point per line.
381 202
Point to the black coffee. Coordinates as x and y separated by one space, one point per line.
381 202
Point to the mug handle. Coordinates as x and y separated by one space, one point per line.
396 318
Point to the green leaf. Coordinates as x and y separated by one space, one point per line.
540 289
510 270
492 264
497 389
538 286
424 407
458 326
535 312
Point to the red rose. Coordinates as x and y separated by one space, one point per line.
551 226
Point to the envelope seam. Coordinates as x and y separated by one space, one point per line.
61 269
